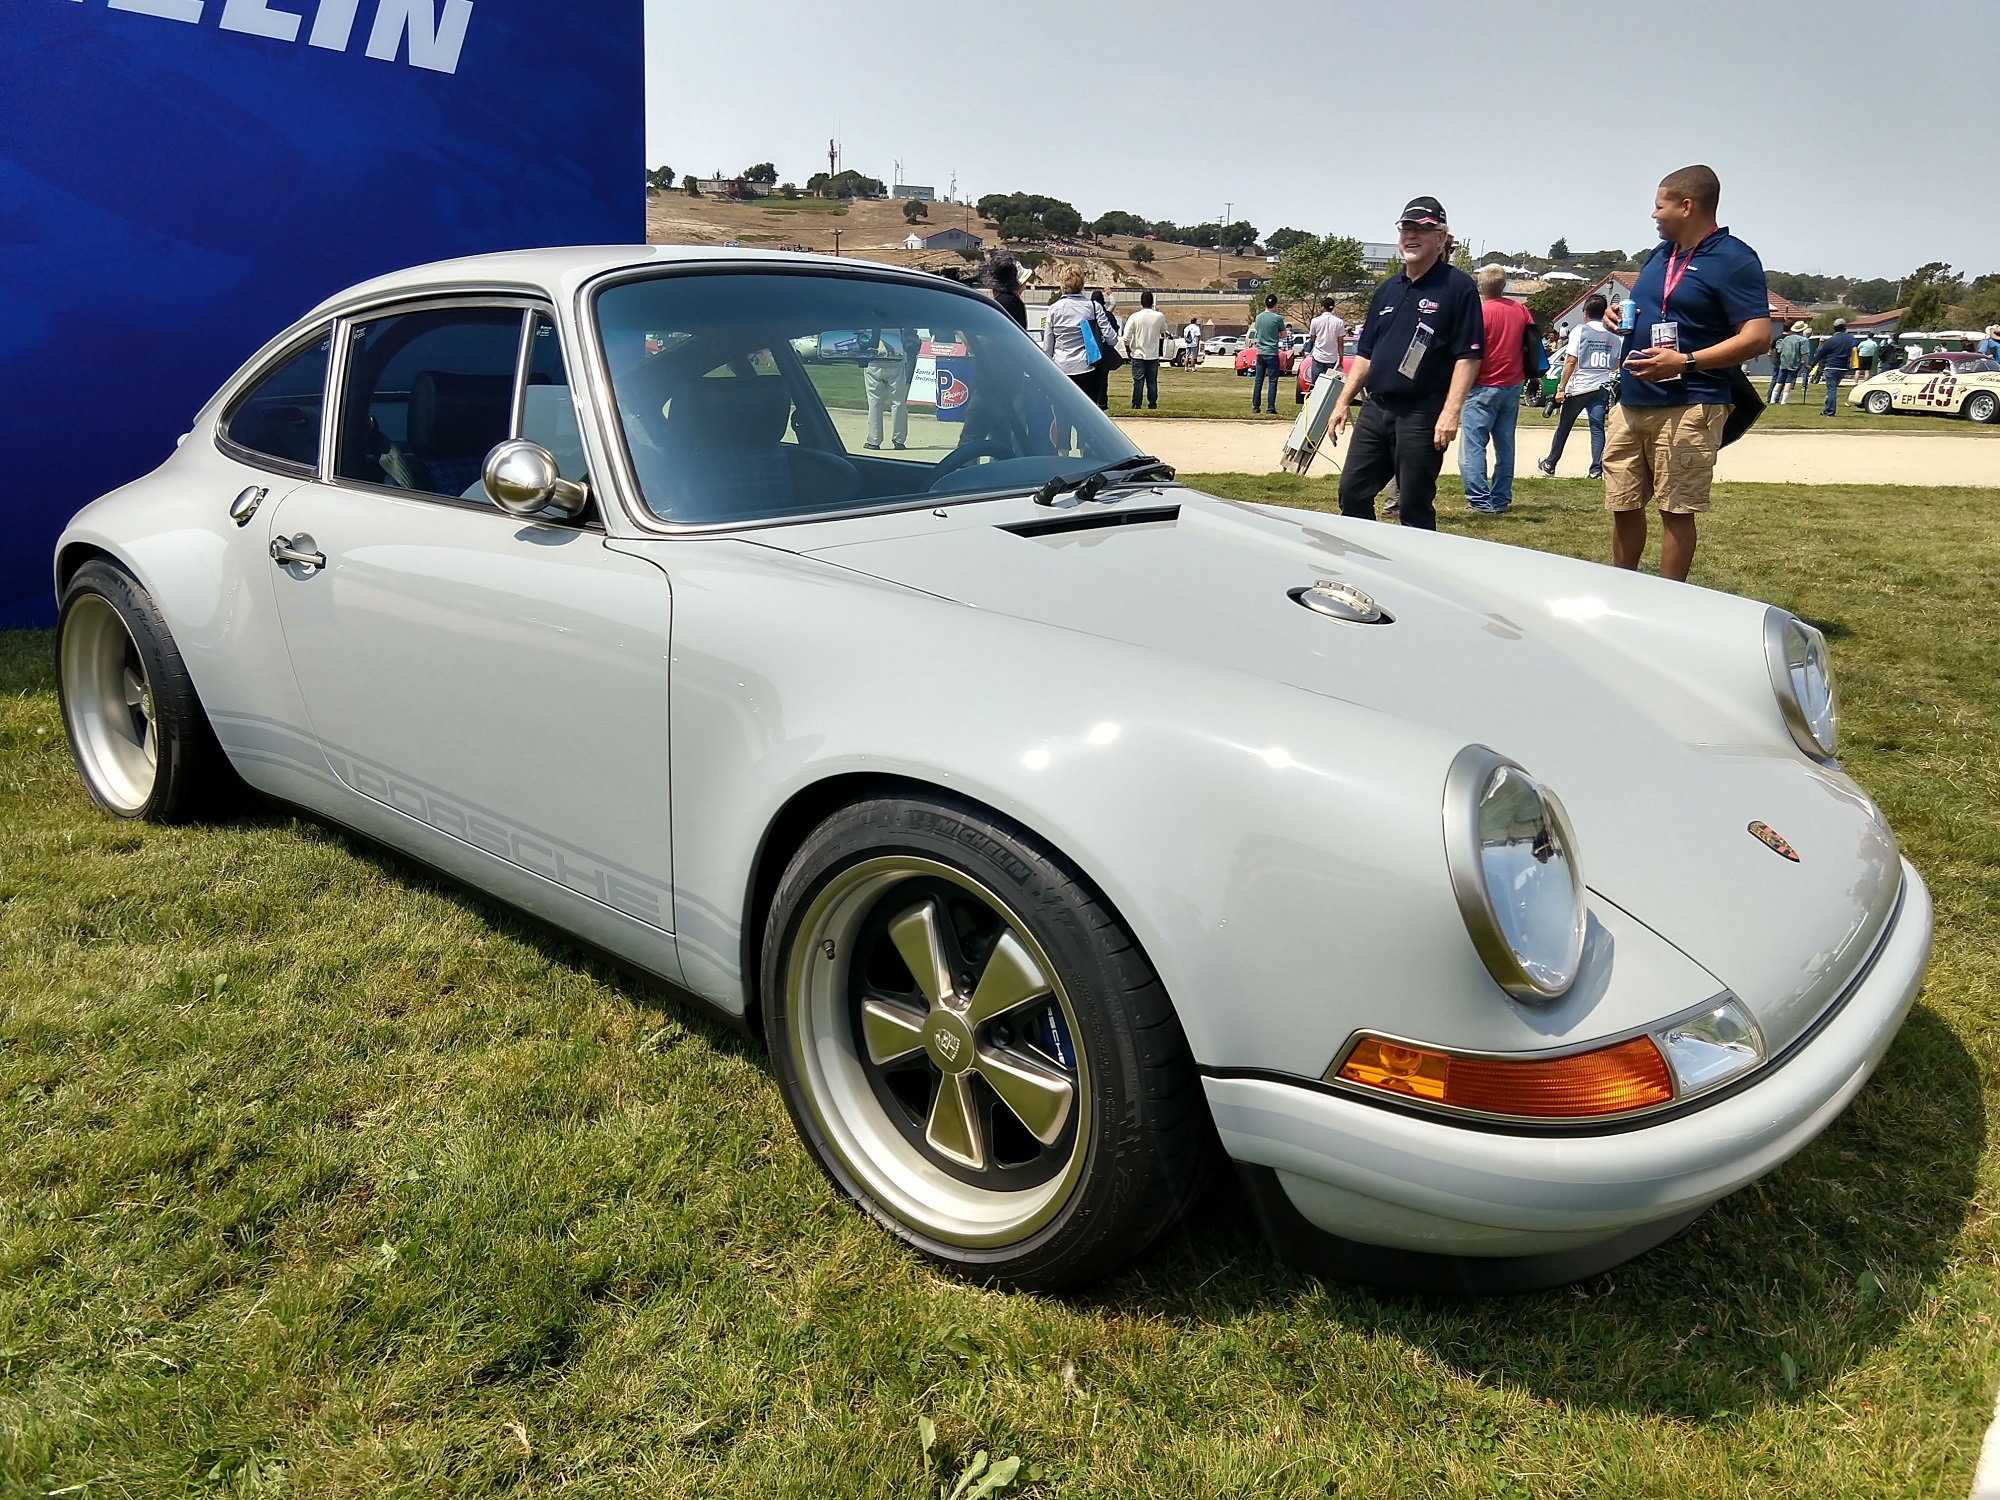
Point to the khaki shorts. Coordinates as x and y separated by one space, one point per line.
1664 455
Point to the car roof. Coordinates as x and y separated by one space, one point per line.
561 270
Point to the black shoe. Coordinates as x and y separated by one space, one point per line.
1595 474
1543 466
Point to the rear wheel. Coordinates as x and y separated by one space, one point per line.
1983 406
136 729
974 1049
1876 403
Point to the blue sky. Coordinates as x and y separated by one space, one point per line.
1851 137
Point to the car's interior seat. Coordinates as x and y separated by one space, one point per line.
454 422
725 453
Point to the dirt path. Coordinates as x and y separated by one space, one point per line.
1760 458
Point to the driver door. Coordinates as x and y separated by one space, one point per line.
497 682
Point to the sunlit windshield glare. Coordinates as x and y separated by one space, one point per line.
767 396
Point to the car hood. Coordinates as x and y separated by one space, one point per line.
1501 646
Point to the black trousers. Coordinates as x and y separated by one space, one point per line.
1096 384
1394 443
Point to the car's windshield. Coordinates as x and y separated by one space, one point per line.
749 396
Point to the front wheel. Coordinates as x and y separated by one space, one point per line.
1876 403
1984 406
974 1049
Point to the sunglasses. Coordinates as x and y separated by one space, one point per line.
1413 224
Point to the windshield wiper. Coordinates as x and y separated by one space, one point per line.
1089 482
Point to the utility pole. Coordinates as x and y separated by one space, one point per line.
1227 204
832 158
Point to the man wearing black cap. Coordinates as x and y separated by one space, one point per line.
1418 354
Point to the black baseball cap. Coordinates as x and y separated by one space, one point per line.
1427 212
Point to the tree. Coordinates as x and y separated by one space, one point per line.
1278 241
1559 250
1117 221
1142 255
1240 236
913 210
1461 256
1981 308
1872 296
1030 216
659 179
1552 301
763 175
1313 268
845 184
693 187
1927 292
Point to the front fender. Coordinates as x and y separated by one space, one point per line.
1277 853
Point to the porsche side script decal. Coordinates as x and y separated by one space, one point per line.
1771 839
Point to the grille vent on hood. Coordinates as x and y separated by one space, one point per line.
1094 520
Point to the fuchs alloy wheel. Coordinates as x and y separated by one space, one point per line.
1877 403
974 1049
1984 406
136 729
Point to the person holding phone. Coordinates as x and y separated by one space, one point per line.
1700 310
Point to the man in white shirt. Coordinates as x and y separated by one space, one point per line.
1590 363
1145 345
1329 339
1191 343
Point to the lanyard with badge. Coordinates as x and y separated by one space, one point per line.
1667 332
1413 357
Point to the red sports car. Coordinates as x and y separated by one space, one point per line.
1246 361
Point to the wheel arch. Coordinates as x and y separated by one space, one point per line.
807 808
71 557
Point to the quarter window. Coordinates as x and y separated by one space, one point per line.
548 409
279 418
428 395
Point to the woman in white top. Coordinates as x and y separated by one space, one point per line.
1063 337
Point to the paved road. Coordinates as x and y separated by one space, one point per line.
1761 458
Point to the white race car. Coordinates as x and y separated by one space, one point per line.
1065 831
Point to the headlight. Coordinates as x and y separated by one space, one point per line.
1802 677
1512 858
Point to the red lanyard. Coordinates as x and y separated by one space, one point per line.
1675 277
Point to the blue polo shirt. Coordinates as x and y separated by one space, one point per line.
1444 300
1720 288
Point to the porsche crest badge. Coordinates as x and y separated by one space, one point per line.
1771 839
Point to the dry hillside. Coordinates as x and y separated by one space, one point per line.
875 230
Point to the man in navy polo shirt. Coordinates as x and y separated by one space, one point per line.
1700 309
1418 354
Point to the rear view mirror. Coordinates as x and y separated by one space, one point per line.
859 346
523 480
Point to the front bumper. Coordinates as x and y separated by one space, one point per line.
1383 1177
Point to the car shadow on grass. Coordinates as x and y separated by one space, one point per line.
1770 1295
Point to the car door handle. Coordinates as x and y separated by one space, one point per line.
297 549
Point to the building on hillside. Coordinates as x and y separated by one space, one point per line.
944 239
911 190
1882 325
726 187
1379 255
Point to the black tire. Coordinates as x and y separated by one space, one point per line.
1876 403
146 751
1982 407
1136 1146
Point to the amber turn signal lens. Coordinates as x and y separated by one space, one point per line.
1611 1081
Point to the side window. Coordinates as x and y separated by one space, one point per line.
279 418
548 410
897 392
428 395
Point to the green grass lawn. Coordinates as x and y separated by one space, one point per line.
321 1178
1213 391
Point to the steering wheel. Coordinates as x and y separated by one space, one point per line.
958 458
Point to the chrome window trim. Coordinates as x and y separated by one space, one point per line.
597 374
530 305
261 369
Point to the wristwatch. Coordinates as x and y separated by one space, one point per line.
1690 366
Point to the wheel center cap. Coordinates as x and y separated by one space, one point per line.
948 1041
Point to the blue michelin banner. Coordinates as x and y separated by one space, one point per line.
181 178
